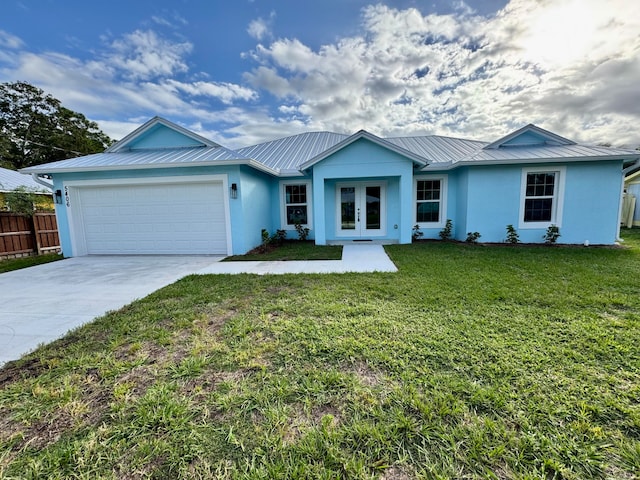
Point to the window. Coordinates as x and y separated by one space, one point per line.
430 198
541 202
295 204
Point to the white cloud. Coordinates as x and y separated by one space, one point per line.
225 92
570 66
143 54
10 41
260 28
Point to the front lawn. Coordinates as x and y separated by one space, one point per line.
470 362
10 264
290 250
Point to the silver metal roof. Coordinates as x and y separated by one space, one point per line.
436 149
286 154
10 180
152 158
547 152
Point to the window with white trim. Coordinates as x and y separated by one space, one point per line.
542 191
296 199
430 196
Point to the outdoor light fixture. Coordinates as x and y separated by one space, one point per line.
234 190
58 196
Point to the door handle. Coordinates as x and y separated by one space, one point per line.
358 214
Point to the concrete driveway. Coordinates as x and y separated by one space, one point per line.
40 304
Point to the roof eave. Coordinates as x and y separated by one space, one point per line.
512 161
149 166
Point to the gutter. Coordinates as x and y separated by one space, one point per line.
631 168
37 179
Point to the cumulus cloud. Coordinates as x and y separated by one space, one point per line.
141 74
144 54
567 65
571 66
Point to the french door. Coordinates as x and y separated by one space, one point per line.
361 209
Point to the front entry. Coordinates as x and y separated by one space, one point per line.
361 209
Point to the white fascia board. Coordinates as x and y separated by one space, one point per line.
147 166
522 161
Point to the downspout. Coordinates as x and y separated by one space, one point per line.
37 179
618 237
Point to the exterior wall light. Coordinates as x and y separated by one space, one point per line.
234 190
58 197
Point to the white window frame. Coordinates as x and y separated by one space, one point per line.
284 204
557 199
443 200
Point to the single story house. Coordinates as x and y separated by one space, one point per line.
166 190
10 181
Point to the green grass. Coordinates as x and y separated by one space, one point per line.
24 262
291 250
472 362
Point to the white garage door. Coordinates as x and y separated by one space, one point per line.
186 218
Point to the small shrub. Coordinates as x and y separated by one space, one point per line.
512 234
552 234
472 237
303 232
279 237
20 201
446 232
416 233
266 238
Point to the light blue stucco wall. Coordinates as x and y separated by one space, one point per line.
592 203
255 193
489 198
364 161
242 223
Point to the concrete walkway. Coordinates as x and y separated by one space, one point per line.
360 258
42 303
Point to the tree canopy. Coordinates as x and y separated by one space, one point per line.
35 128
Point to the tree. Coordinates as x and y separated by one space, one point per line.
35 128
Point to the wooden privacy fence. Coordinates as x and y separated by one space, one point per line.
21 235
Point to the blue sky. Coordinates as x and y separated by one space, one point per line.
245 71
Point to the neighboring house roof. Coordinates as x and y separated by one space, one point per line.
10 180
633 177
153 146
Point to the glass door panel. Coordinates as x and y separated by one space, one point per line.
348 208
373 198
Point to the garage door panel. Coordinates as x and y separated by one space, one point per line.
184 218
